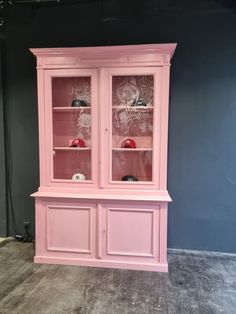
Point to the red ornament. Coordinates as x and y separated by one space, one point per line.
128 143
77 143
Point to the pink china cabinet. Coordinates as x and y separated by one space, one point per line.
103 131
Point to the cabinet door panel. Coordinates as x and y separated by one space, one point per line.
71 107
131 127
66 229
131 232
70 229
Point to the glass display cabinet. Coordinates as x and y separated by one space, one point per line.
103 130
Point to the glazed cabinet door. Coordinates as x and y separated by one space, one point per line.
131 127
71 135
130 233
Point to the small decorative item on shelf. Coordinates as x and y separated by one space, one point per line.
77 142
139 102
79 103
129 178
78 177
128 143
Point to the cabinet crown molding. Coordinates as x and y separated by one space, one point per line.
151 54
101 50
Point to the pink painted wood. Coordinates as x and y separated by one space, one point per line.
107 139
102 221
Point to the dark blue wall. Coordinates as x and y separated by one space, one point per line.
202 138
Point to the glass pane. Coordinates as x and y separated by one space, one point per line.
132 127
65 90
132 166
72 163
72 128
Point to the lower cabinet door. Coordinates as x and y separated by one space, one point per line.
66 230
130 233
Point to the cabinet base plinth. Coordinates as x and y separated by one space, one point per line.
113 234
101 263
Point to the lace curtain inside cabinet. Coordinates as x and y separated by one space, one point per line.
126 92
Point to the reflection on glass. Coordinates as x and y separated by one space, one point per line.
129 90
65 90
137 164
68 163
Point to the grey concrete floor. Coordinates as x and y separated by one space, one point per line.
196 283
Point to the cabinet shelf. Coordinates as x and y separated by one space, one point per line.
70 109
71 148
131 149
134 107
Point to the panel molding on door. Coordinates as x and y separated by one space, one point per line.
70 229
131 232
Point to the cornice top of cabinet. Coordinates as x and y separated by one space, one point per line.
134 55
101 50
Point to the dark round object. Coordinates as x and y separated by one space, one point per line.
79 103
129 178
140 102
